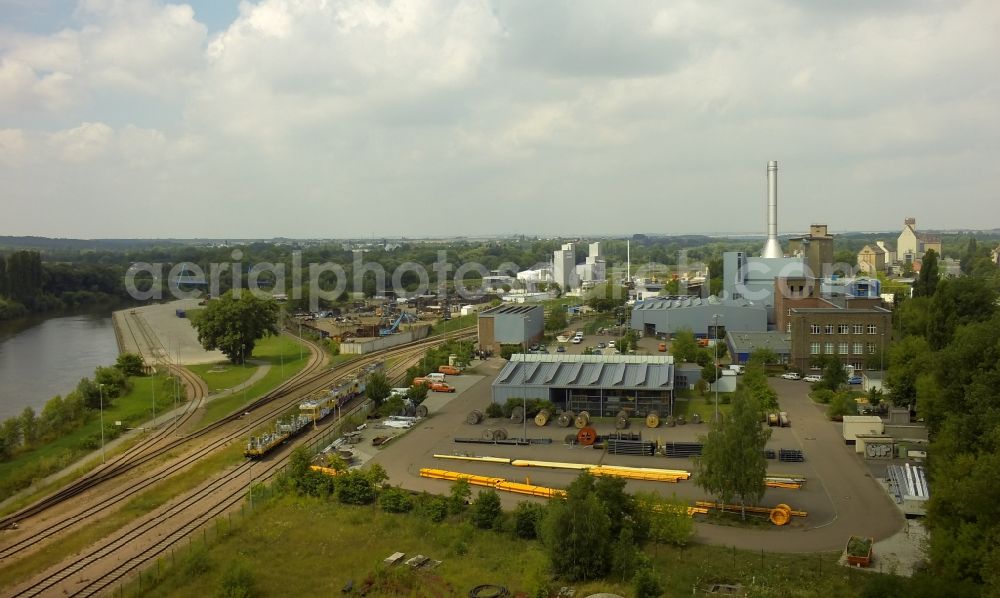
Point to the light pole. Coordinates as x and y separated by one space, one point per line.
716 365
251 485
100 391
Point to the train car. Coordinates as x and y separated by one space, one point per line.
258 446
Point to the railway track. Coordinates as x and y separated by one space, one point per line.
405 354
199 507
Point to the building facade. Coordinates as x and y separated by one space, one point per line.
816 249
911 245
856 331
602 385
564 267
669 315
510 325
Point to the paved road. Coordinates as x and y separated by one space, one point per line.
840 496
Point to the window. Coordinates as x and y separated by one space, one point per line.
843 348
828 349
814 349
871 348
858 366
843 329
859 348
788 327
828 328
859 329
789 311
814 328
872 329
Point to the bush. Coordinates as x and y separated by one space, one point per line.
486 510
395 500
354 488
435 508
526 518
130 364
494 410
645 583
237 582
823 395
842 404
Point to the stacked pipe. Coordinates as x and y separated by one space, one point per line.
629 444
682 449
790 455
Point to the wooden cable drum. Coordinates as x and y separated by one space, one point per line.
475 416
622 420
653 419
517 415
500 434
542 417
488 434
780 515
582 420
570 439
566 419
587 436
421 411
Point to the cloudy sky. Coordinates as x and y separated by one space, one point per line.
334 118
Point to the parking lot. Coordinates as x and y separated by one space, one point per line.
840 495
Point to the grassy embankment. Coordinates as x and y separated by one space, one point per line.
323 545
285 356
454 324
136 507
132 409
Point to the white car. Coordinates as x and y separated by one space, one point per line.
611 344
577 340
791 376
813 378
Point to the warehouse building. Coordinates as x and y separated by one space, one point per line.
742 344
669 315
600 384
510 325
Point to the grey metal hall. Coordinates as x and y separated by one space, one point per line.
669 315
603 385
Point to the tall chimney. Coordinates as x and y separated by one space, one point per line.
772 248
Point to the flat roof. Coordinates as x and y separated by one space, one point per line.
688 301
631 372
746 342
509 310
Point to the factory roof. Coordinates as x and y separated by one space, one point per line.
652 372
747 342
509 310
688 301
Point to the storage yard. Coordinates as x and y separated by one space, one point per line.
838 494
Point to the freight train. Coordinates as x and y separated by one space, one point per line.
310 410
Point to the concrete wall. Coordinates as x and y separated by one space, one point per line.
368 345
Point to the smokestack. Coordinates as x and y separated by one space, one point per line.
771 247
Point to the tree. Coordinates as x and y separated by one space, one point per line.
669 522
459 496
709 372
355 488
377 388
834 374
527 516
909 358
575 533
926 283
556 321
683 346
486 510
969 256
3 276
607 297
417 393
958 301
130 364
234 325
114 381
395 500
624 554
732 465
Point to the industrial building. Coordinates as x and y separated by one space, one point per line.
752 278
854 330
510 325
564 267
594 269
742 344
603 385
669 315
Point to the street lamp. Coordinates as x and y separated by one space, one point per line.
100 391
716 365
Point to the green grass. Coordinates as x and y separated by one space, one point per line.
146 502
132 409
454 324
322 545
703 406
273 350
223 375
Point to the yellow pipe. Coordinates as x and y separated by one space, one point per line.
325 470
549 464
481 459
679 473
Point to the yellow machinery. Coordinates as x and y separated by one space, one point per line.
779 515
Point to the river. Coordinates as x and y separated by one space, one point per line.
42 357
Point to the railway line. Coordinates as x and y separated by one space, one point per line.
405 355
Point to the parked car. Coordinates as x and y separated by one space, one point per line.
577 340
442 387
597 352
449 370
601 345
611 344
560 349
791 376
854 380
813 378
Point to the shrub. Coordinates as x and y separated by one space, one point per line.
395 500
130 364
436 508
645 583
823 395
237 582
486 510
354 487
526 518
494 410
